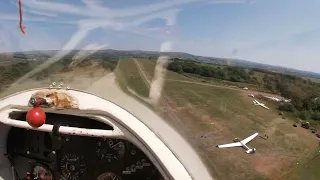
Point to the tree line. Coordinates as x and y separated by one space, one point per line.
303 92
234 74
12 72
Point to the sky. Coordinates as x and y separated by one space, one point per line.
276 32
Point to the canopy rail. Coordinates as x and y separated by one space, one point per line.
115 133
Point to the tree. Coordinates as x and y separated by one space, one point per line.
265 78
304 115
286 107
176 67
315 115
284 89
269 86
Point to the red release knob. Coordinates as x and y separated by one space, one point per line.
36 117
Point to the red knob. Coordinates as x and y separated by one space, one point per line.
36 117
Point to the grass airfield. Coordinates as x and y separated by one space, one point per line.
208 115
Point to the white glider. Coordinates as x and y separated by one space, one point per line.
257 103
242 143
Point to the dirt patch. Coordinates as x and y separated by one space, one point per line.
269 166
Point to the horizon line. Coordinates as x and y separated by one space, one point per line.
222 58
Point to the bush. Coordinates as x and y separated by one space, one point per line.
111 65
230 73
287 107
304 115
315 115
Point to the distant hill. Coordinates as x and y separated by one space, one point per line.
115 54
285 70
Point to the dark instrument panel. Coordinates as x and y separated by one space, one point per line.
43 155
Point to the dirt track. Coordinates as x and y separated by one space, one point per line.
145 78
163 101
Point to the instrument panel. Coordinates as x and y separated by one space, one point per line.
42 155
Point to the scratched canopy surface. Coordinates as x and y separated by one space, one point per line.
195 63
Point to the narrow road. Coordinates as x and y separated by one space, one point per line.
177 122
142 73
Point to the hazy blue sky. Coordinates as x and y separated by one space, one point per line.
279 32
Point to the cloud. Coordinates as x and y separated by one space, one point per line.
92 9
166 46
32 11
227 1
117 19
133 25
91 3
100 17
94 23
42 13
168 15
103 22
9 16
51 6
15 17
161 33
153 29
91 16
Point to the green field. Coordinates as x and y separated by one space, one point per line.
308 169
209 115
316 80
